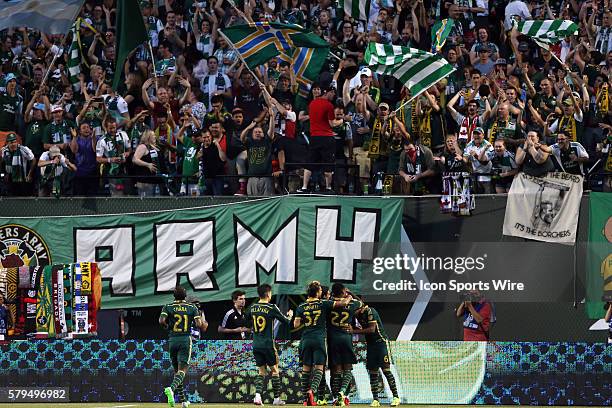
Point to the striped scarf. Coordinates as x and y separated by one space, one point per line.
603 101
15 164
568 125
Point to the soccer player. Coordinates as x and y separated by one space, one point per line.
261 315
178 317
377 353
341 353
313 315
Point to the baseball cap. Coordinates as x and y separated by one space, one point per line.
383 105
568 102
237 110
145 3
56 108
9 77
482 48
500 61
365 71
39 106
11 137
478 130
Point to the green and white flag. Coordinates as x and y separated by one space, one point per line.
74 56
440 32
547 32
416 69
359 10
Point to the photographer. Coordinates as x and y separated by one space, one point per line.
476 313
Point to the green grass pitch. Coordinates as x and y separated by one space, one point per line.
165 405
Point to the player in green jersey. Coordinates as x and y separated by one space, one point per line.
313 354
178 317
340 344
261 315
377 353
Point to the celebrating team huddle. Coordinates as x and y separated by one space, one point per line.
327 325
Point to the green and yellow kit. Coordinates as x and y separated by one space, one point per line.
340 341
261 316
180 317
377 350
313 315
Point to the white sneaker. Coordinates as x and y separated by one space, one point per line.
185 404
257 400
278 401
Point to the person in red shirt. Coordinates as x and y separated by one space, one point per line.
476 315
322 143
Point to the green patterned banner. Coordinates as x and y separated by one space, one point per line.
599 258
284 241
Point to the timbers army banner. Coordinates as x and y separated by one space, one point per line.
544 208
599 255
284 241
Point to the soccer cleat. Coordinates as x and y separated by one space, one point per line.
375 403
185 404
347 402
340 402
257 399
322 402
310 399
278 401
170 395
396 401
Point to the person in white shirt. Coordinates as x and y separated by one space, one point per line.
516 8
215 83
471 154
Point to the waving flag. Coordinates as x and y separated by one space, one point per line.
440 32
259 42
75 56
547 32
359 10
48 16
416 69
131 32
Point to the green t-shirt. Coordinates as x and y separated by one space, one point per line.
34 136
369 316
181 316
259 153
58 133
190 162
341 318
10 106
260 316
313 314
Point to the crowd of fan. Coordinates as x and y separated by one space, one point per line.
194 120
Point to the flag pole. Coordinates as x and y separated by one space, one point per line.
153 62
55 57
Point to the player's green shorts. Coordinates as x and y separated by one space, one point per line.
265 356
377 355
180 350
313 352
340 349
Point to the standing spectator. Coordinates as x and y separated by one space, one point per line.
215 82
477 314
568 156
112 152
416 167
193 153
83 146
471 120
322 143
148 162
36 121
259 154
213 164
503 165
535 159
11 105
59 131
233 325
52 164
471 155
18 167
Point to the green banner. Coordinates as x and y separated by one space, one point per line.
599 260
285 241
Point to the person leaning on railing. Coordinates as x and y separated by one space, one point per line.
148 162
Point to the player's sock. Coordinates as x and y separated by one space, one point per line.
391 380
336 381
316 380
304 381
347 376
178 380
276 386
180 391
323 388
374 384
259 382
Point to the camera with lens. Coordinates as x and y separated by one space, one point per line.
467 297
